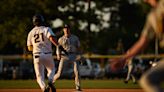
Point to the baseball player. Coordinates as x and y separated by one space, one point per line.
71 44
154 27
39 42
131 69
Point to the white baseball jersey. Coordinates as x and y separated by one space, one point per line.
38 37
70 44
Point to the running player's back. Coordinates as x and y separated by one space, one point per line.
39 38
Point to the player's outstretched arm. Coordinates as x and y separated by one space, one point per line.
62 49
135 49
53 40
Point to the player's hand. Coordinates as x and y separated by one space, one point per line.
117 64
62 49
58 57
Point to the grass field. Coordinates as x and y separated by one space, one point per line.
68 84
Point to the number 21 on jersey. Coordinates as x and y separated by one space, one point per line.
38 37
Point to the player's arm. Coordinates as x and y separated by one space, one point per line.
29 42
30 48
147 35
53 40
119 63
137 47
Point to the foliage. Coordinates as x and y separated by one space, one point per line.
98 35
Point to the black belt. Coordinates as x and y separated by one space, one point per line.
43 52
36 56
69 53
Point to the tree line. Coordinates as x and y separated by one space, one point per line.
100 24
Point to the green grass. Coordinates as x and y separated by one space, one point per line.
68 84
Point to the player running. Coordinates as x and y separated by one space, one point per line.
132 68
39 42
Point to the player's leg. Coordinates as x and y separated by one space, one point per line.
133 78
39 71
151 80
60 67
130 68
77 76
50 66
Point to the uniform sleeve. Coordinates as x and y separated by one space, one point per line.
50 32
149 29
60 41
29 41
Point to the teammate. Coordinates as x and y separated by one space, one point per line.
71 44
132 68
39 42
154 27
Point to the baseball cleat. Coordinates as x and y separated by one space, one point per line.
53 89
78 90
47 89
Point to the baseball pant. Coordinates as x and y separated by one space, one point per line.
130 73
70 58
41 62
152 79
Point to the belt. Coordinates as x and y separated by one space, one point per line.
69 53
37 56
43 52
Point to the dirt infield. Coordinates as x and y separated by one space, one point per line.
72 90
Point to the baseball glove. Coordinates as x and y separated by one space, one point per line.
62 49
117 64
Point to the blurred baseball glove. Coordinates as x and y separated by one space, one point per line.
62 49
117 64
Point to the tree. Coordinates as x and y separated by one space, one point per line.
99 24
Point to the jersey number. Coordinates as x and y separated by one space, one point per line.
38 37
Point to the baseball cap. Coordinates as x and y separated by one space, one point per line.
66 26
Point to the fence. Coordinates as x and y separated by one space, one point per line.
21 67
